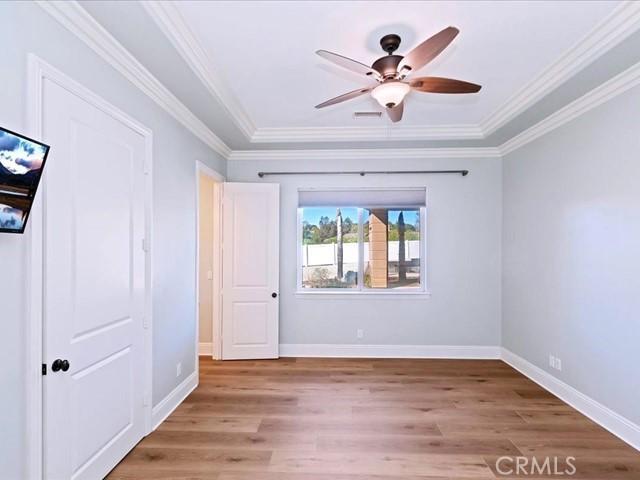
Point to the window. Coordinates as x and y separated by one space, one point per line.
329 247
361 241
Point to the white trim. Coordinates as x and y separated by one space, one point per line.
171 22
216 329
148 301
205 349
34 277
203 167
197 273
360 289
366 154
299 233
392 132
76 19
599 95
615 423
168 404
424 241
603 93
216 319
623 21
37 71
361 258
353 293
479 352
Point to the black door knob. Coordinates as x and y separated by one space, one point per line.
59 364
274 295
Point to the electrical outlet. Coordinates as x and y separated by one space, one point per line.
555 362
360 333
178 369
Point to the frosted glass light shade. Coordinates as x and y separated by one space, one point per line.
390 94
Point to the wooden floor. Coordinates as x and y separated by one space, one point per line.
353 419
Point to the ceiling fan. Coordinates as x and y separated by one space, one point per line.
391 70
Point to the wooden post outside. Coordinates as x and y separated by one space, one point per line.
378 248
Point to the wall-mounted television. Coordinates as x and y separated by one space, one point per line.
22 161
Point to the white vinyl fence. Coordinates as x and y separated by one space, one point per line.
327 254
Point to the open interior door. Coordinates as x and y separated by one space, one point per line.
250 243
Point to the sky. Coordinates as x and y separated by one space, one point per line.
313 214
18 155
10 217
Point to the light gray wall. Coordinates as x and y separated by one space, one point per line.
26 28
571 237
463 259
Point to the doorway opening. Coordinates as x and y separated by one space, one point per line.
208 262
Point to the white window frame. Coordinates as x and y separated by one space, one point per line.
360 289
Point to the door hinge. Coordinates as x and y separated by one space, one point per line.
145 400
44 369
145 245
145 322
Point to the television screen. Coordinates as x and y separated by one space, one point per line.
21 163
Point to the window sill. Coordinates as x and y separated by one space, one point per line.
362 294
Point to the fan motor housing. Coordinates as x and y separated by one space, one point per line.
387 66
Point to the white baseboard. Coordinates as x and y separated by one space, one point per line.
205 349
169 403
390 351
620 426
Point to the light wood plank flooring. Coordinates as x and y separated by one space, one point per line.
362 419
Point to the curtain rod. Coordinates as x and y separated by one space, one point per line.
464 173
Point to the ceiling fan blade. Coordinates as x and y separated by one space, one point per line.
344 97
428 50
395 113
348 63
443 85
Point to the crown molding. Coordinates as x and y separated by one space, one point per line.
78 21
618 25
610 89
617 85
377 133
366 153
613 29
172 24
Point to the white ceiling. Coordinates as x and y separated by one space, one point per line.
263 52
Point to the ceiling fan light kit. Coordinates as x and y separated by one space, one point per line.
391 70
390 93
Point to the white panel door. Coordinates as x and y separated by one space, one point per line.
250 270
94 284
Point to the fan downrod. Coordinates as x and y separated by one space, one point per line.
390 43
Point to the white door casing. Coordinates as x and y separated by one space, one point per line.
94 287
250 270
212 287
